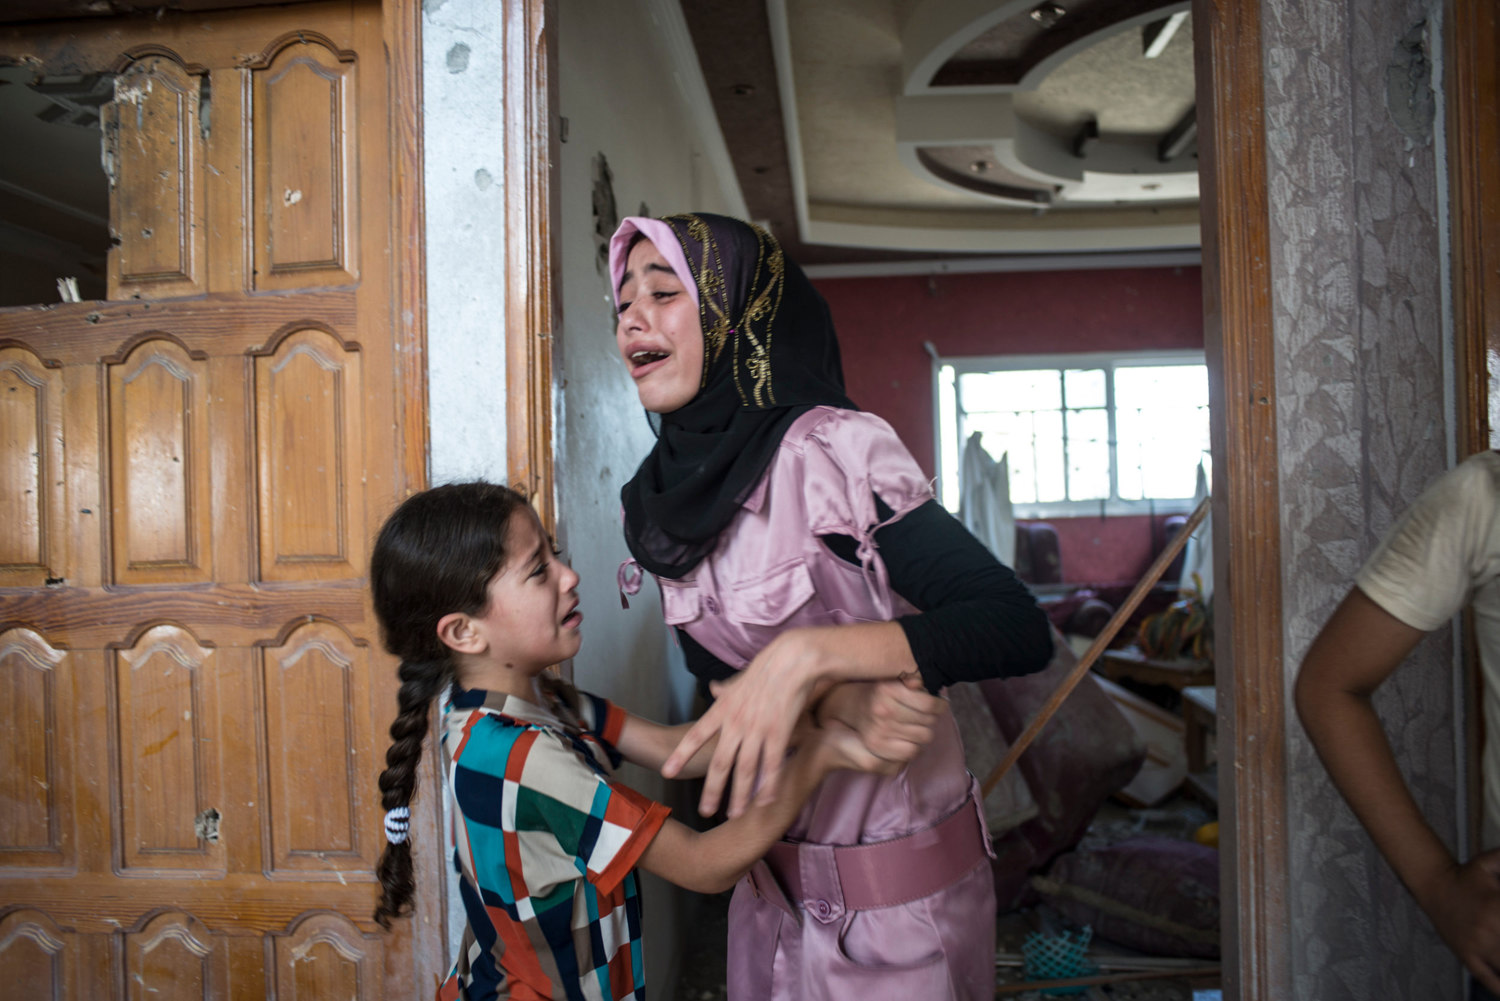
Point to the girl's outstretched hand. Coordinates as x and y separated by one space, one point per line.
754 715
842 747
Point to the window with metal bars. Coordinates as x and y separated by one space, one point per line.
1082 433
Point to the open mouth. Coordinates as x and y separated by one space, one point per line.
572 619
640 359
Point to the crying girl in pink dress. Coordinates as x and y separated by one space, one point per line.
801 554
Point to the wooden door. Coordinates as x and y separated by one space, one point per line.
1474 164
1239 344
191 684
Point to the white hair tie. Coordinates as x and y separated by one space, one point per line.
397 824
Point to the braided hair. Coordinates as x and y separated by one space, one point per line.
435 555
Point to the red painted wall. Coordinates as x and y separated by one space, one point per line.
1113 550
883 322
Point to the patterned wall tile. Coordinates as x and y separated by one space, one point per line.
1355 242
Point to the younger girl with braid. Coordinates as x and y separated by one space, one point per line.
474 601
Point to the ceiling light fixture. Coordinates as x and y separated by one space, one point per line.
1156 35
1048 14
979 166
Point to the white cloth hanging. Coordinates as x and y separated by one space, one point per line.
984 500
1198 556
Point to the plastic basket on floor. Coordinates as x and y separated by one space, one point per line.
1059 957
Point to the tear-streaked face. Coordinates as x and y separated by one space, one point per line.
531 620
657 331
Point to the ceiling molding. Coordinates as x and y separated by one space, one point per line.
1113 171
746 94
936 29
972 232
1036 73
967 120
1007 265
1053 53
688 73
1095 222
798 62
781 49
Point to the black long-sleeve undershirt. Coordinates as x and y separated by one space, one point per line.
976 619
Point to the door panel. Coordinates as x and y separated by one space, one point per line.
30 464
37 958
36 774
166 751
307 393
304 184
153 152
195 705
171 958
325 959
159 465
315 757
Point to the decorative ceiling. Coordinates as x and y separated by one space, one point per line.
46 10
866 129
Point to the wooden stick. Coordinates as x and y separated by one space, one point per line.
1106 978
1100 642
1167 966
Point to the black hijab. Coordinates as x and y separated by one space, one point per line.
769 355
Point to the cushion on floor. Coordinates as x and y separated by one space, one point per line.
1158 895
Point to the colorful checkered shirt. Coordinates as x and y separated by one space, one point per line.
546 844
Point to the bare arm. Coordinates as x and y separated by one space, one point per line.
648 744
712 861
894 718
1358 648
976 621
755 714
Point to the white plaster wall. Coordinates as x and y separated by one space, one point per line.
463 140
629 88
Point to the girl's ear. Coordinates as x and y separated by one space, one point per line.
458 633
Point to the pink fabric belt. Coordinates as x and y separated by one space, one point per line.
828 880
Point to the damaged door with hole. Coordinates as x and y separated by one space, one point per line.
191 685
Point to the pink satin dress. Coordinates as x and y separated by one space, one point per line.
771 572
